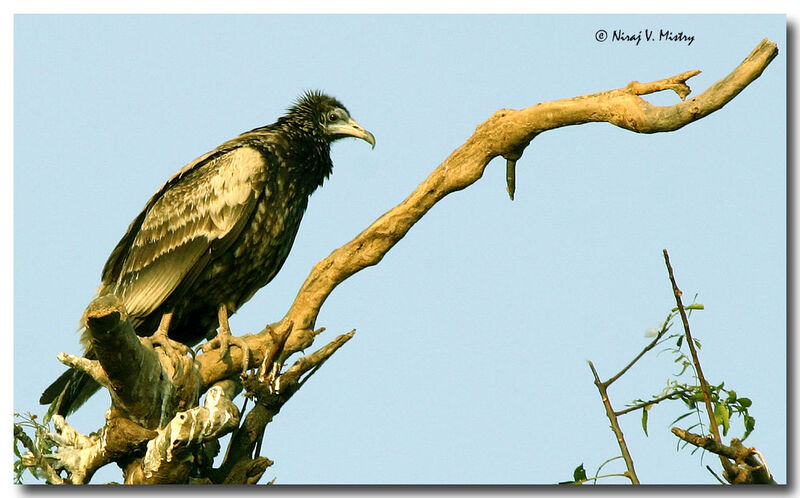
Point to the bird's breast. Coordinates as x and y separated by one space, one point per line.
256 257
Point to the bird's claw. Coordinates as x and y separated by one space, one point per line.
172 348
224 342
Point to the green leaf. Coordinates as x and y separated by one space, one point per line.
679 342
697 343
579 474
723 417
681 417
745 402
696 306
644 421
749 425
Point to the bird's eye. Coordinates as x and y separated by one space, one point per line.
332 116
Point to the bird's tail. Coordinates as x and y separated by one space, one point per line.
70 390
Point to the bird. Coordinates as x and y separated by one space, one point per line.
215 233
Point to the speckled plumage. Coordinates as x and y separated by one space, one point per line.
220 228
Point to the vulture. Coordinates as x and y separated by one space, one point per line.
216 232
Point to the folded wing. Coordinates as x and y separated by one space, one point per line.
200 210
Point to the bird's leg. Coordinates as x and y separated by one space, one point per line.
224 339
161 338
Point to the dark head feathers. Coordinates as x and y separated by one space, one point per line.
314 102
306 117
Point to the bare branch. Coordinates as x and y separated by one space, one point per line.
748 469
507 133
612 417
726 464
703 384
671 396
647 348
85 365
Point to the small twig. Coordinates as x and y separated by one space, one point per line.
675 83
595 478
90 367
631 473
695 359
647 348
718 478
597 474
654 401
511 177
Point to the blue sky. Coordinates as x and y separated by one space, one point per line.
469 360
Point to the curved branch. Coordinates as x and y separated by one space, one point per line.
508 132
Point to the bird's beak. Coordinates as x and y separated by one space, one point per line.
352 129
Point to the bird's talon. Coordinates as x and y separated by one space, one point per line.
171 348
224 343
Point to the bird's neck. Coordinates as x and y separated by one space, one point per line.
307 160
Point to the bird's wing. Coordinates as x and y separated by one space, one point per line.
207 203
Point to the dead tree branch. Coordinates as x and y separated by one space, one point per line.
507 133
270 399
146 385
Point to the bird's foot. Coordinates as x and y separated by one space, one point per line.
224 340
173 349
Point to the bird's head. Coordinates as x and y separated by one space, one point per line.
328 117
